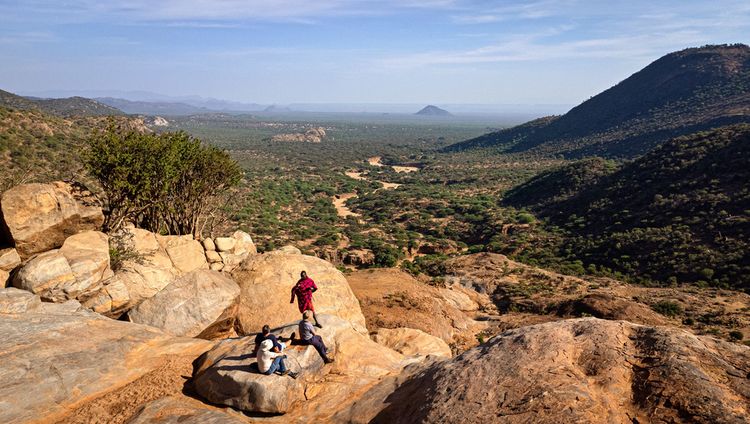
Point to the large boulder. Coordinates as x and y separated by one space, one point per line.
392 298
39 217
244 244
581 370
56 356
88 256
266 281
49 275
185 253
201 304
228 374
71 272
412 342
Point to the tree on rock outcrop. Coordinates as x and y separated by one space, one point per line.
165 183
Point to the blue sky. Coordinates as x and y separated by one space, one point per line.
352 51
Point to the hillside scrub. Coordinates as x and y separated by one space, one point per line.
677 214
166 183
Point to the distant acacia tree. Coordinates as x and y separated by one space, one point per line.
166 183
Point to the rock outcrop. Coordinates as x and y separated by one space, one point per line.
582 370
154 261
227 253
71 272
392 298
185 253
39 217
55 356
607 306
313 135
228 375
198 304
266 281
412 342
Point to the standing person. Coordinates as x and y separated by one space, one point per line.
307 336
270 362
303 290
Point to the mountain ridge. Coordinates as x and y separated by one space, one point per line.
680 93
62 107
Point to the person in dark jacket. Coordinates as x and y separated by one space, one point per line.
266 334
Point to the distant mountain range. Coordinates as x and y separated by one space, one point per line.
152 108
681 93
71 106
431 110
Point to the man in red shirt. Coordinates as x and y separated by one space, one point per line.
303 290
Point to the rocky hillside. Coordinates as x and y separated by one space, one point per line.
66 107
681 93
35 146
680 213
137 327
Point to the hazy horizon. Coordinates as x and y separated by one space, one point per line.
415 52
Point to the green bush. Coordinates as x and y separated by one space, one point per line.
736 335
667 308
165 183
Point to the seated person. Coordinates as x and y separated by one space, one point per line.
267 335
270 362
307 336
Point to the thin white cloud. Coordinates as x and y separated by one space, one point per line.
191 12
535 48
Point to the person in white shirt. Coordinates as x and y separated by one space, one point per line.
270 362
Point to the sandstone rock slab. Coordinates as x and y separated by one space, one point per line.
201 303
185 253
88 256
580 370
266 282
39 217
226 375
412 342
65 356
49 275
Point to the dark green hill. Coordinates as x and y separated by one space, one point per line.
552 187
680 212
66 107
13 101
681 93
